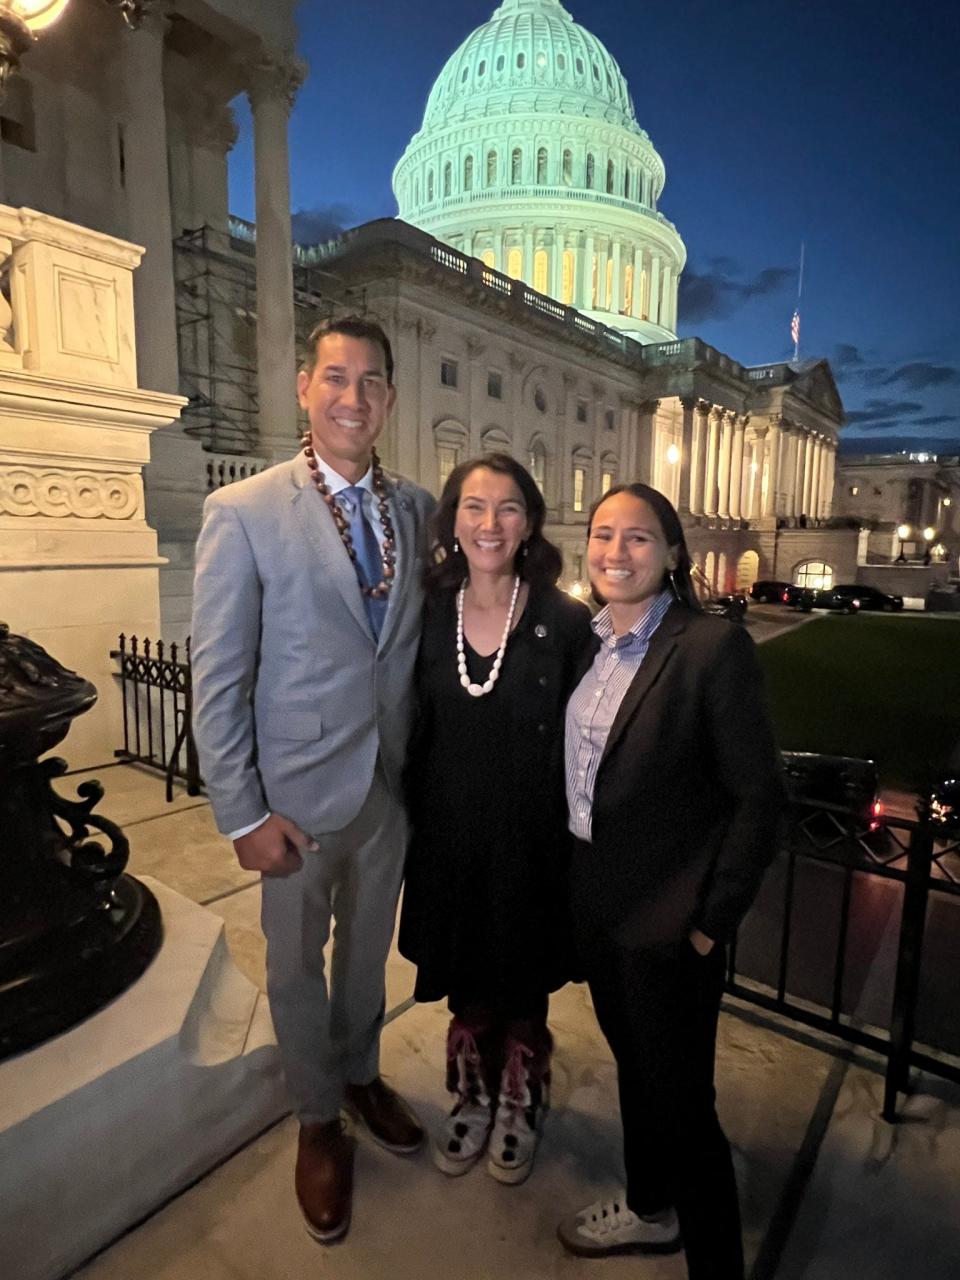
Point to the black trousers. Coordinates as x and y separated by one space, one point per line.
658 1010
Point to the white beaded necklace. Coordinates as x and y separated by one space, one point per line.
478 690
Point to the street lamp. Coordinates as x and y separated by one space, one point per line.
903 532
929 534
20 21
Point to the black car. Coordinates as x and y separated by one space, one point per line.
798 597
768 592
839 599
834 803
733 606
870 597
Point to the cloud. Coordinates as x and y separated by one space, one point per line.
845 358
919 375
717 293
880 414
326 222
935 420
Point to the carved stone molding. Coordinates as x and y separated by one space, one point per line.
274 80
475 347
517 362
426 330
86 495
216 128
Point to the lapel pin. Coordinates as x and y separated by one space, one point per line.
540 631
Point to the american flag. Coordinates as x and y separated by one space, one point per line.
795 328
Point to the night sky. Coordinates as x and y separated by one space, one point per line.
834 123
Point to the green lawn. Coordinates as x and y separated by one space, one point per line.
878 686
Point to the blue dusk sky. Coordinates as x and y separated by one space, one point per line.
832 122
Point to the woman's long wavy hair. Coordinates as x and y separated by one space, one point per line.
538 561
681 584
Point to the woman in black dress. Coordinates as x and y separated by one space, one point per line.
484 916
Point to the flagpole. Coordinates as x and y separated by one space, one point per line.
796 313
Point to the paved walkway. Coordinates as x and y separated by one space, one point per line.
829 1190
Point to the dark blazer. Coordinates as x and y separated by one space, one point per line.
688 796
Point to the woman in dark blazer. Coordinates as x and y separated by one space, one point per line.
484 909
673 784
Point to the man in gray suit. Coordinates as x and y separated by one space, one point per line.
305 630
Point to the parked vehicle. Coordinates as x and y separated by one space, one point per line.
945 807
851 783
768 592
798 597
838 599
870 597
733 606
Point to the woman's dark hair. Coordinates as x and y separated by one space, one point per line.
538 561
681 583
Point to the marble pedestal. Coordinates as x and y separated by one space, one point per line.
100 1126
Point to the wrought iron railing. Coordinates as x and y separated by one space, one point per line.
157 693
839 891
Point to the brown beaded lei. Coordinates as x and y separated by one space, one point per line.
388 558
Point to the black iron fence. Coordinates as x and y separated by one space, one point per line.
855 932
157 693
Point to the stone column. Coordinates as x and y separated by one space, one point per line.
556 288
498 262
654 312
756 473
148 201
527 272
815 480
723 464
770 506
666 288
710 467
615 301
698 451
271 97
586 283
684 506
799 453
787 461
468 243
637 281
831 479
736 467
807 474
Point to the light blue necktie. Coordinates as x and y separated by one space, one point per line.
369 563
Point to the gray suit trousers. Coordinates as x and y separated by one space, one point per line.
329 1033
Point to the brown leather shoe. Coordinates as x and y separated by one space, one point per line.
324 1179
386 1115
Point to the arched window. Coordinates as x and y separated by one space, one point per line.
626 183
579 66
516 165
566 283
813 573
491 168
567 171
540 271
538 463
468 174
541 165
447 178
430 187
609 177
489 258
591 167
561 62
608 296
594 282
482 68
582 467
500 62
515 264
521 60
466 72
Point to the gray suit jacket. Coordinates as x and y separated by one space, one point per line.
293 697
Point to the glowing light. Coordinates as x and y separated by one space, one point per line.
577 589
929 533
946 502
903 531
673 454
36 14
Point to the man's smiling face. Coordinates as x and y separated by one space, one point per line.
347 398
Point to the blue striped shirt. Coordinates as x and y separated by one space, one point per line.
596 700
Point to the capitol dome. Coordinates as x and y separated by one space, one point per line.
531 158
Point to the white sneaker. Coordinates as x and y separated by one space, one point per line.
609 1227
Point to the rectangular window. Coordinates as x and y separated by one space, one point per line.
446 461
606 480
610 420
448 373
494 385
579 480
581 410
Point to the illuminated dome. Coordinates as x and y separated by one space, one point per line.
531 158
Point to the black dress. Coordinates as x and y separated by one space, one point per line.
484 906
